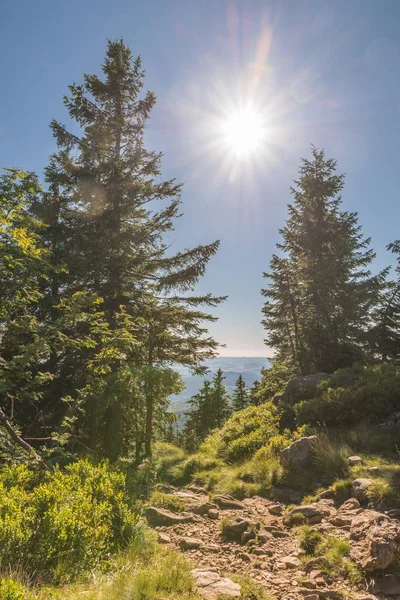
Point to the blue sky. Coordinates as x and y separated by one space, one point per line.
325 72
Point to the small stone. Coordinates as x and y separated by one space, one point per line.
354 460
213 513
348 505
359 488
203 508
276 509
374 470
228 503
292 562
163 538
212 586
235 529
189 543
159 516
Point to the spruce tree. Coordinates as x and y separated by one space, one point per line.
321 292
221 408
240 394
384 335
116 250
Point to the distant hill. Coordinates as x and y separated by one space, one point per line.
248 367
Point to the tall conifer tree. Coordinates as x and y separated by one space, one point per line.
240 394
320 293
108 178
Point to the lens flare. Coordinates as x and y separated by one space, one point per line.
244 131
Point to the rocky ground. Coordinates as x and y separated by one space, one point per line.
258 540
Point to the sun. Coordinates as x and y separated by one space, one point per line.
243 131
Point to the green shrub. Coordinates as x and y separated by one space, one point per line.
250 589
341 490
166 458
11 590
65 525
167 574
200 462
266 469
330 458
294 519
368 393
167 501
333 554
247 431
309 539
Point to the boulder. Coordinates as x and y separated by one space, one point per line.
312 513
189 543
299 453
211 585
228 503
196 489
354 460
203 508
349 505
291 562
276 509
389 585
163 538
359 488
162 517
234 530
375 540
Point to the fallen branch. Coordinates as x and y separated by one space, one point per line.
18 440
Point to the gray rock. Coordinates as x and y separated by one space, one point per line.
292 562
211 585
163 538
276 510
389 585
189 543
160 516
375 540
314 513
203 508
299 454
197 490
354 460
228 503
248 535
213 513
234 530
359 488
349 505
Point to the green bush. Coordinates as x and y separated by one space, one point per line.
11 590
162 500
200 462
167 575
166 458
368 394
309 539
247 431
65 524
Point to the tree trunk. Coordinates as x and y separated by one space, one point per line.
113 441
149 409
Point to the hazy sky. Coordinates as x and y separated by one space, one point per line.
321 72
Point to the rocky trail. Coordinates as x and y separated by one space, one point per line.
222 536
